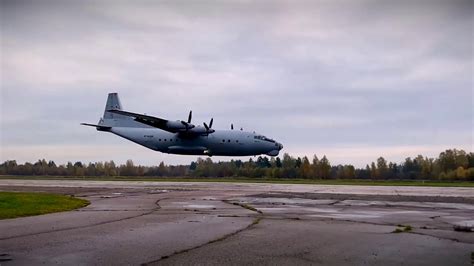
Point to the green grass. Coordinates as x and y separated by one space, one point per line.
426 183
403 228
20 204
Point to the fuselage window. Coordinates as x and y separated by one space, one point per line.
159 139
237 141
223 140
228 140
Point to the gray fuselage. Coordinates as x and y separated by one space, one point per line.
181 137
221 142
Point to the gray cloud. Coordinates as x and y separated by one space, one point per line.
321 76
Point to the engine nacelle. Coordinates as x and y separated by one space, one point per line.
178 125
201 130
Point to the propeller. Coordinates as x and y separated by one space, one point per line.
209 128
188 124
232 126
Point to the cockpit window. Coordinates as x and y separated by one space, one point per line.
260 137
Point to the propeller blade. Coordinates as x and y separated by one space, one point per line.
232 126
190 116
210 123
205 125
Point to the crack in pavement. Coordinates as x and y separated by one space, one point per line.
254 222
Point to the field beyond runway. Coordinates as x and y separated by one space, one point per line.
190 223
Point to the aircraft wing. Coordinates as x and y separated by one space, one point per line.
147 120
182 127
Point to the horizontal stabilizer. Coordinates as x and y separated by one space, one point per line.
98 127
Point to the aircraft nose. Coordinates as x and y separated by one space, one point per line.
280 146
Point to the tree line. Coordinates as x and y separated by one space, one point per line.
451 164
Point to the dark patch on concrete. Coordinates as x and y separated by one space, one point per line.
5 257
463 228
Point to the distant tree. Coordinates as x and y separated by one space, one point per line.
288 167
339 171
162 170
192 166
392 170
461 158
451 164
298 162
470 159
447 160
427 168
316 167
90 170
325 167
110 168
305 169
382 168
78 169
288 161
409 168
349 171
373 171
263 162
278 163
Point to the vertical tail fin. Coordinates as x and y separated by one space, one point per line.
116 120
113 102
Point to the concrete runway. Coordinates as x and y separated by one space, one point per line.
167 223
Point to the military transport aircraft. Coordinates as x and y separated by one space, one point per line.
181 137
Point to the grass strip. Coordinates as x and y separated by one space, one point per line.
21 204
357 182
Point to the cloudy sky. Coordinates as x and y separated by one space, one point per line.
350 79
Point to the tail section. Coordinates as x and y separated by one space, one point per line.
113 103
113 119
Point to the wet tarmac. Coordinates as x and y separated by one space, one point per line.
131 223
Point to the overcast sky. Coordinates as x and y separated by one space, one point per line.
350 79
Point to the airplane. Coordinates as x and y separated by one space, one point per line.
181 137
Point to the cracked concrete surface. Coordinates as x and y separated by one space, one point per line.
226 223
